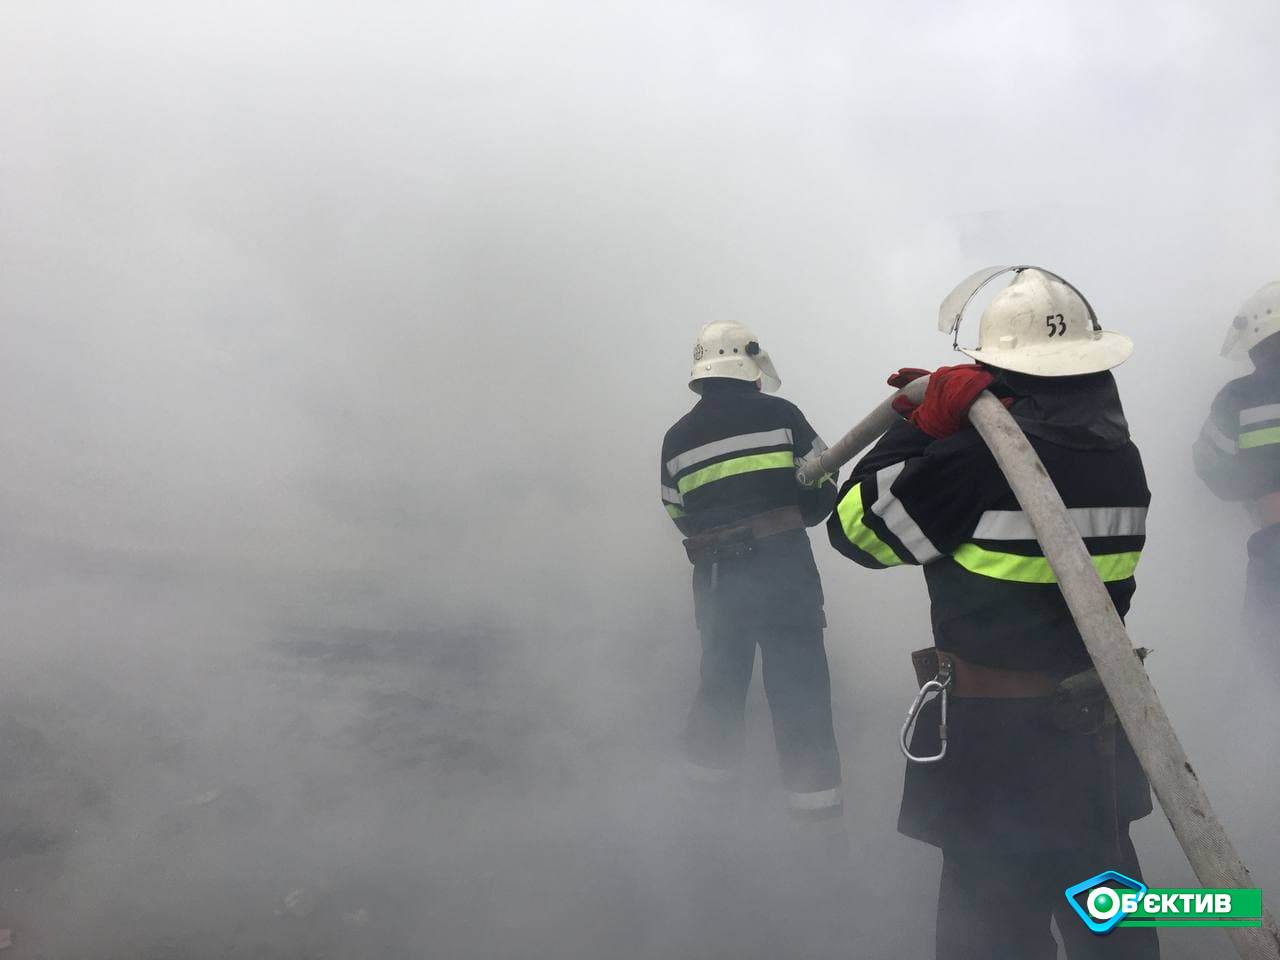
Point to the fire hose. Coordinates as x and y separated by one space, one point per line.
1209 850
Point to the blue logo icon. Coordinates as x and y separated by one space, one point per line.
1102 910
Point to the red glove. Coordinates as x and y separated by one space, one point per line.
951 391
906 375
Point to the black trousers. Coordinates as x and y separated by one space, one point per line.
1262 603
798 686
994 906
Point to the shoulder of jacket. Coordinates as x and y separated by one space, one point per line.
679 426
1252 387
965 443
781 401
795 413
772 408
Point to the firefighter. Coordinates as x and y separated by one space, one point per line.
728 478
1238 457
1031 796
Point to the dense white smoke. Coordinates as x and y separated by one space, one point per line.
337 342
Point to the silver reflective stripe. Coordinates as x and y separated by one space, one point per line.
672 495
1213 435
1090 521
718 448
817 800
1257 414
890 509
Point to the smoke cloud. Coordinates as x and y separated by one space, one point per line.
337 342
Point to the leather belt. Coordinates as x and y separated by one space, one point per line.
733 541
973 680
1078 704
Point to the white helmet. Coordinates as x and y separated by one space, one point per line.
1039 324
1258 319
727 349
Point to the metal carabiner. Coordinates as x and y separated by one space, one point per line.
940 685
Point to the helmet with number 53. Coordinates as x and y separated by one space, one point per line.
1039 324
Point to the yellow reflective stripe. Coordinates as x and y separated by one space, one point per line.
673 511
1116 566
1012 566
851 511
1260 438
731 468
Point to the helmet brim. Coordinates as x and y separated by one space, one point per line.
1104 352
735 368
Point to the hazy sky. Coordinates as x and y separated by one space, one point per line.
401 296
401 285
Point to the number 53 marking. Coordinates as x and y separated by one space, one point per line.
1057 324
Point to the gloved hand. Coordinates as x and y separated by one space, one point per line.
951 391
906 375
903 405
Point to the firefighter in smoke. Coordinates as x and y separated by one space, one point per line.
1238 457
728 481
1037 786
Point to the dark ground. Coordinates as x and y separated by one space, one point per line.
192 779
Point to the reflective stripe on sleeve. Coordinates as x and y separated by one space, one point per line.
853 522
1271 411
1020 569
672 495
1214 436
731 468
1090 521
1259 438
718 448
674 512
894 514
